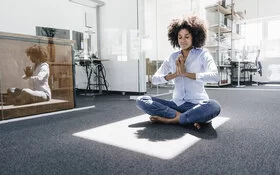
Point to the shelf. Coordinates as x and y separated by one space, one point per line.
241 14
225 65
218 8
215 28
216 47
234 17
226 22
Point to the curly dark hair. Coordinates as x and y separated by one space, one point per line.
38 51
196 27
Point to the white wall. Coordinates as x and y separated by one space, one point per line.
23 16
120 42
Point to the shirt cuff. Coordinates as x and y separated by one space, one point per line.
198 76
163 80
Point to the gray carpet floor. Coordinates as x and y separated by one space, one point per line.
248 143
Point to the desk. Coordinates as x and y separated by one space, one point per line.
246 68
96 74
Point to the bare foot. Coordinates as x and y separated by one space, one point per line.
153 118
197 125
174 120
162 119
165 120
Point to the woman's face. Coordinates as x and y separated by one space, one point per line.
184 39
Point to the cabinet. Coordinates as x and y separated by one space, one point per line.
224 29
13 61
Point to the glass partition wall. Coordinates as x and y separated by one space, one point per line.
158 15
262 41
52 77
121 46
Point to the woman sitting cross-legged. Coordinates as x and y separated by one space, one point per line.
189 68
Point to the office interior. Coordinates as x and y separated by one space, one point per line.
102 55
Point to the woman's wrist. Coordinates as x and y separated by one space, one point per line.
190 75
170 76
185 74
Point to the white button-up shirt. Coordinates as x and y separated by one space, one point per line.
200 62
40 78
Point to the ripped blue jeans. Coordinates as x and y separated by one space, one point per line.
190 113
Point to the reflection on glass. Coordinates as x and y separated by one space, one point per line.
32 82
78 37
38 75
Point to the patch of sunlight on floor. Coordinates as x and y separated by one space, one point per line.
140 135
